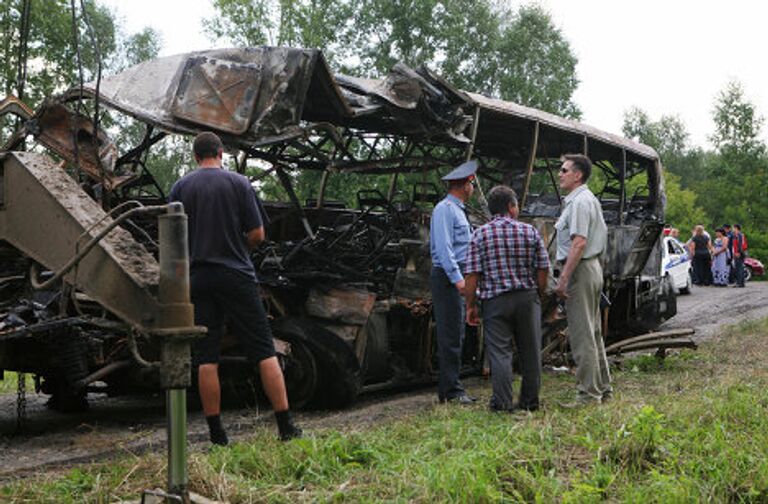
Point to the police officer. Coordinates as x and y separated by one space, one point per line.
449 237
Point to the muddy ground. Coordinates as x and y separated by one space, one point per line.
135 425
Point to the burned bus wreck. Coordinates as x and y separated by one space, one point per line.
344 275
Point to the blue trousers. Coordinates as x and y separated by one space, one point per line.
449 311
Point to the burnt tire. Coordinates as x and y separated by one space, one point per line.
669 299
338 370
63 399
67 395
301 375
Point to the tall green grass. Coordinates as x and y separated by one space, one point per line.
691 428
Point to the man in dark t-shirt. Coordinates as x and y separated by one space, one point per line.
224 225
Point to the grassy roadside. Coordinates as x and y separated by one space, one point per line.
691 428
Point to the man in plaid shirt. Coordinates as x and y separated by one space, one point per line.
510 262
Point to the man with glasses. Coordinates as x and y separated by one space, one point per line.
449 236
581 240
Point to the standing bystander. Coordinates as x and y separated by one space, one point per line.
729 252
720 266
449 235
224 223
581 240
510 262
700 249
739 250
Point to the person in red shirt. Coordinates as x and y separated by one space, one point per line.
738 249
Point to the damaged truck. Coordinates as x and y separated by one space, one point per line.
344 271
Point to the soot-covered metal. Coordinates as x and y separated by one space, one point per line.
345 280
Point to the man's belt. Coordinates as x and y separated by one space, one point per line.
561 262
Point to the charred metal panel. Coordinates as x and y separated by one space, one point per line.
148 91
46 212
633 250
348 306
418 104
72 136
324 97
220 94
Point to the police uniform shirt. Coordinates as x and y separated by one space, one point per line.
449 236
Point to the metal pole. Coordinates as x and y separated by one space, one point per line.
176 319
470 152
176 410
321 191
531 162
623 186
285 180
392 187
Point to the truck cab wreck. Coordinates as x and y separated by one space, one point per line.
344 270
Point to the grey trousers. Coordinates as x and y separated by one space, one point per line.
582 309
517 315
448 308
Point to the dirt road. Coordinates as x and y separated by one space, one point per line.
134 425
707 309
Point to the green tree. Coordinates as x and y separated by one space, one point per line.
536 65
52 62
296 23
668 135
517 55
682 211
135 48
469 62
733 184
737 125
479 45
52 55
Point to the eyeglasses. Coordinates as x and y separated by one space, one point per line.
564 170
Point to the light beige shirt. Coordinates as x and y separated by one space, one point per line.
581 216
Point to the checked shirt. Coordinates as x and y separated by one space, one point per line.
506 253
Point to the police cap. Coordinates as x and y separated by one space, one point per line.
463 171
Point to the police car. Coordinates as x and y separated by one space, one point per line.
675 264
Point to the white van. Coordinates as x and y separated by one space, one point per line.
676 264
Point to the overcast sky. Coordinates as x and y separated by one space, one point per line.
664 56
